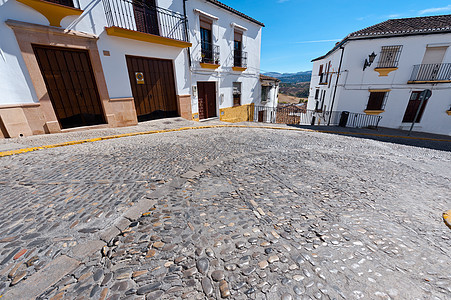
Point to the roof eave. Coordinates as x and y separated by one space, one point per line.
234 11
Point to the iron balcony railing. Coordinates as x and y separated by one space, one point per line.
431 72
358 120
209 53
240 59
138 16
297 116
69 3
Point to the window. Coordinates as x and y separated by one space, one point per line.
206 44
412 108
316 94
237 49
265 93
389 56
324 72
377 101
236 93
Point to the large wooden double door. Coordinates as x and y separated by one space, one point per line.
71 85
153 87
206 99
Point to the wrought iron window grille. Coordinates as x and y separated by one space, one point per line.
209 53
240 58
389 56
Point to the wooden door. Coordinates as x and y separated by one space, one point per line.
206 99
412 108
71 85
260 115
154 94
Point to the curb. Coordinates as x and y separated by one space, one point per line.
447 218
110 137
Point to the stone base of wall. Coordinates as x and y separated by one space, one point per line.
184 106
17 120
121 112
242 113
21 120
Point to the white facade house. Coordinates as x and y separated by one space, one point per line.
270 91
411 55
66 64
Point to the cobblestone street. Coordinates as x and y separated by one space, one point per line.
239 213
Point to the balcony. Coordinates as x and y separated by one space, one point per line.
239 60
54 10
135 19
69 3
431 73
209 55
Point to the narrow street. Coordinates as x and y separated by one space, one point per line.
243 213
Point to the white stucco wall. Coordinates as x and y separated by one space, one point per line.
223 35
16 85
15 82
354 83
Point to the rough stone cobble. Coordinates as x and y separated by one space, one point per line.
272 216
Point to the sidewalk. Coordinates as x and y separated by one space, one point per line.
418 139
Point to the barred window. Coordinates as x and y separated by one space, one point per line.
389 56
377 101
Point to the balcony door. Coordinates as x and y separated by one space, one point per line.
237 49
433 57
206 38
146 17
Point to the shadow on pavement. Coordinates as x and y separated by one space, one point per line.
417 139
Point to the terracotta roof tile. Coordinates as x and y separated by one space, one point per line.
264 77
399 27
407 26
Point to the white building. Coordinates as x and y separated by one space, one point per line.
411 55
66 64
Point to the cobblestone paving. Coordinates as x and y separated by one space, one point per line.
272 215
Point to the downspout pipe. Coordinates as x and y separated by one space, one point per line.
186 31
336 84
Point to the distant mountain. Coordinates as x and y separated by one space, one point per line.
291 77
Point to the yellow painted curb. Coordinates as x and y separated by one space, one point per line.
25 150
447 218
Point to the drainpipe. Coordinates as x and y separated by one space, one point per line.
186 31
336 84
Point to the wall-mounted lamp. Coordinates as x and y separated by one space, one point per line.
369 61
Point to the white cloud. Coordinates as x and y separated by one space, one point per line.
434 10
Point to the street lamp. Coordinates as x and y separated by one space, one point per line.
369 61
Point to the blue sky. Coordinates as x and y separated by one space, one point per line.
299 30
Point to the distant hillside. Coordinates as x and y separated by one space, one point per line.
291 77
294 87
